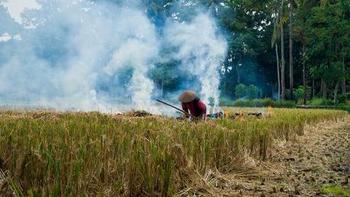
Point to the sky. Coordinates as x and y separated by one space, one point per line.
16 7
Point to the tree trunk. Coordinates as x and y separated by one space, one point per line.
278 73
313 88
323 89
343 83
304 76
336 93
283 82
291 69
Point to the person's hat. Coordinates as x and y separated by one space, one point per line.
187 96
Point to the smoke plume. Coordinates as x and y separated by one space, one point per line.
89 55
200 51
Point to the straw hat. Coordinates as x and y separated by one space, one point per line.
187 96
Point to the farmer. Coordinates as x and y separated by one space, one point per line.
193 105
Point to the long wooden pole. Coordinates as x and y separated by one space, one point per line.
170 105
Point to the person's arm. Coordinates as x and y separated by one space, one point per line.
185 108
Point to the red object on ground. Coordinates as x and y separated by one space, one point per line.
196 108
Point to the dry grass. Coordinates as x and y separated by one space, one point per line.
70 154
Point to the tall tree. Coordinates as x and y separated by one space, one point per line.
275 36
302 9
291 70
283 64
247 24
327 32
278 72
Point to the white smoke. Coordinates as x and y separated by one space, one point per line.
74 52
201 50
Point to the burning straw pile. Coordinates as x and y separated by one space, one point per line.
72 154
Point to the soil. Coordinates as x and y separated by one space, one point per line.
300 167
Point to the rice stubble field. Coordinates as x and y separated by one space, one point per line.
94 154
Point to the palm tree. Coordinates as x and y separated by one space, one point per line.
283 61
274 44
291 69
278 33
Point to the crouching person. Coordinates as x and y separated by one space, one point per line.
192 105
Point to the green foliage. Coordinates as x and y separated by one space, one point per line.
266 102
344 98
336 190
225 101
284 103
327 32
320 102
164 76
249 92
253 92
343 106
240 90
347 96
322 28
299 92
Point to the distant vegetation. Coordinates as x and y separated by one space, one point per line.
279 46
264 102
251 96
72 154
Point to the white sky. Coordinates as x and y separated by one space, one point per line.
16 7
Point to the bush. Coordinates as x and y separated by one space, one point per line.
299 92
243 103
240 91
225 101
266 102
250 92
284 103
343 98
253 92
344 106
320 102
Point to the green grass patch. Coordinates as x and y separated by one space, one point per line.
266 102
336 190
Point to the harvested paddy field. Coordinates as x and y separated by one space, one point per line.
284 152
315 164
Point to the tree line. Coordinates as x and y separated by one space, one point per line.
320 30
281 46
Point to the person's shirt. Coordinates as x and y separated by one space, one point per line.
195 108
